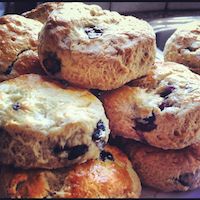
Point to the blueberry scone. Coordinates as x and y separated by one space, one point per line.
95 48
43 124
162 109
18 46
184 46
42 11
166 170
110 176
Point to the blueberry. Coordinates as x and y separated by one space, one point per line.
145 124
106 155
96 135
8 70
168 90
52 63
100 125
76 151
58 149
186 179
164 105
93 32
16 106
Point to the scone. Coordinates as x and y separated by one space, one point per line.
184 46
162 109
166 170
47 126
18 46
95 48
112 176
42 11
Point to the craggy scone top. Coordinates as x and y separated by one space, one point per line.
184 46
161 108
95 48
18 46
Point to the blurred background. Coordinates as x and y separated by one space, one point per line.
139 9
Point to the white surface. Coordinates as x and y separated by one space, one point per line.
151 193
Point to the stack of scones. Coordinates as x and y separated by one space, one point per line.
86 112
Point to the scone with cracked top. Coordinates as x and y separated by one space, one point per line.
110 176
44 125
162 109
183 46
95 48
18 46
42 11
166 170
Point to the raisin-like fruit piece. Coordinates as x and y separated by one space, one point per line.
106 155
93 32
77 151
16 106
52 64
145 124
168 90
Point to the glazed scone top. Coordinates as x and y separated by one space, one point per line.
70 22
17 35
35 104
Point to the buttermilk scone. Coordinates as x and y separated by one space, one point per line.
184 46
47 126
111 176
166 170
162 109
42 11
18 46
95 48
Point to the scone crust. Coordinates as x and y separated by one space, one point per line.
166 170
18 46
184 46
43 124
42 11
95 48
161 109
92 179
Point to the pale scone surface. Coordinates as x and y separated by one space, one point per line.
45 118
166 170
18 46
183 46
161 109
95 48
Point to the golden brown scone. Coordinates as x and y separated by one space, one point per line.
42 11
18 46
44 124
184 46
166 170
95 48
162 109
110 176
